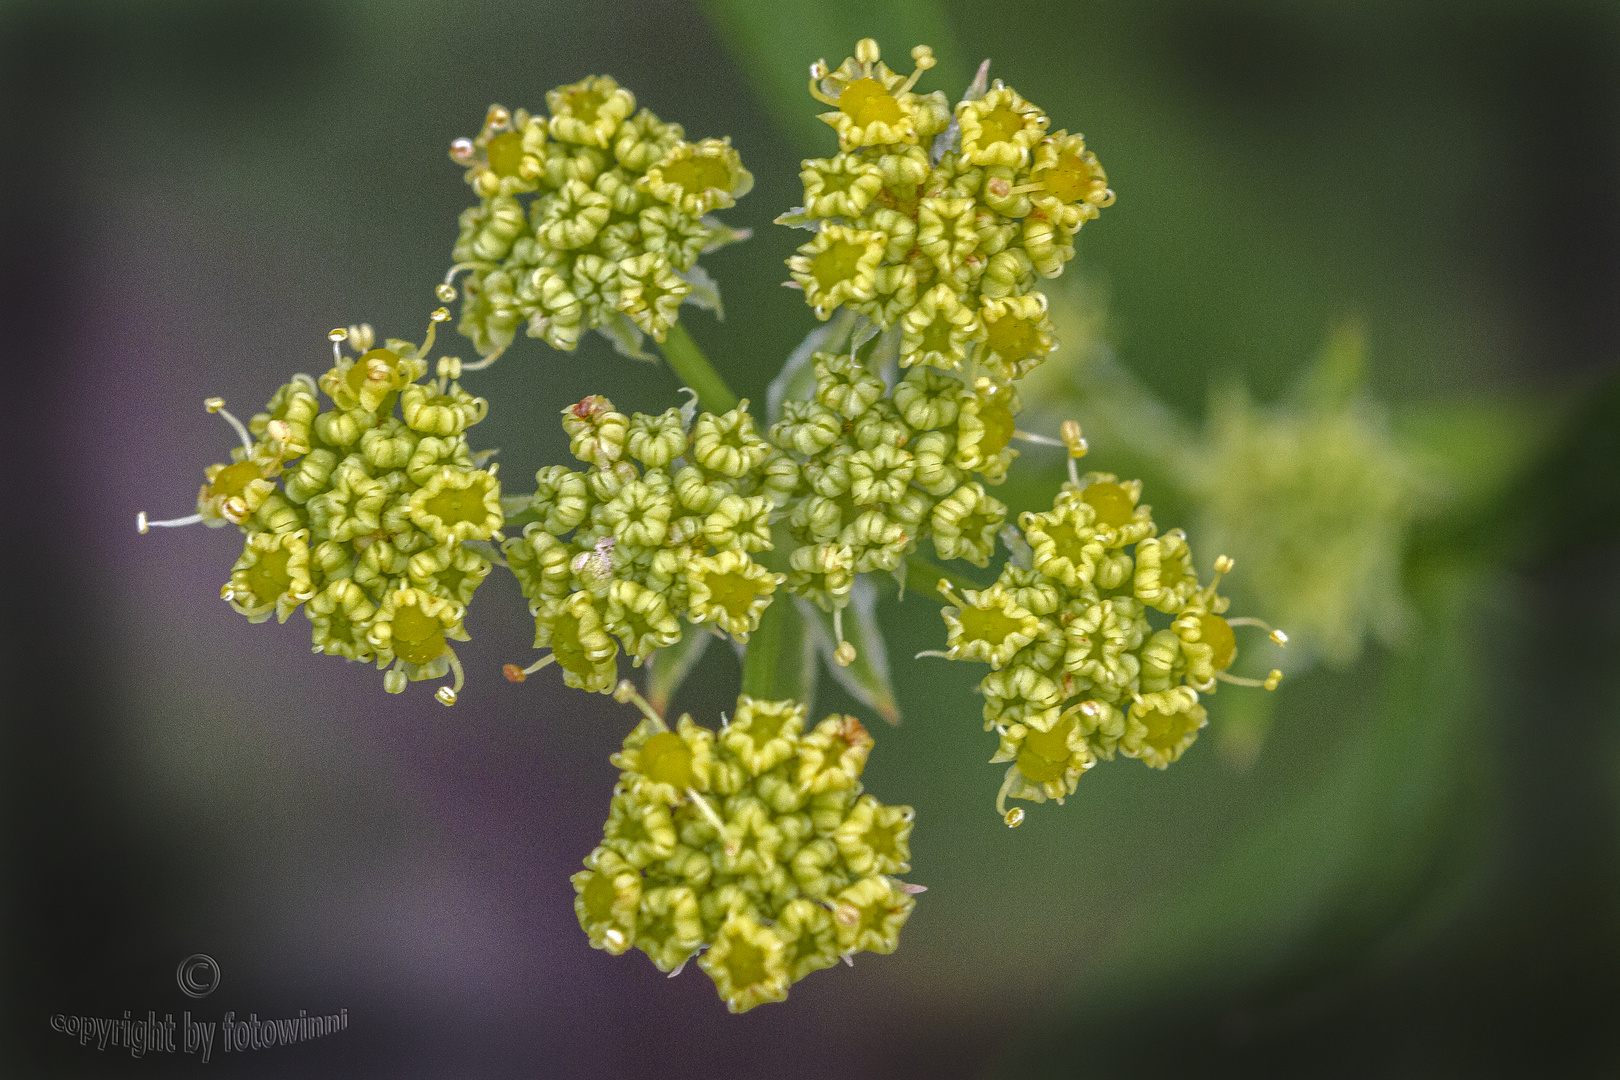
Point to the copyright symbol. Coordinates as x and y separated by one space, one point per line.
198 975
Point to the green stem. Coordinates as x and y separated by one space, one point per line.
694 370
764 652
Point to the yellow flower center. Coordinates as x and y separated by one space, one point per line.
998 428
454 506
1012 338
418 637
989 625
840 262
1066 543
1044 755
734 592
866 102
599 897
1165 731
232 480
745 963
582 104
1111 502
361 371
1000 125
568 648
269 577
697 174
665 759
506 153
1069 179
1216 632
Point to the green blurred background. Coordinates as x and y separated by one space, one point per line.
1402 863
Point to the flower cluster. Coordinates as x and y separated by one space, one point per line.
659 528
1099 643
361 512
753 843
662 527
617 212
940 223
882 469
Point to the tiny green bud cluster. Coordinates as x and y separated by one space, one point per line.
754 843
361 512
1099 644
940 223
617 212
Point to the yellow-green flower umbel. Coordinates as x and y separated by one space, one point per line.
591 217
368 513
753 845
939 223
1101 642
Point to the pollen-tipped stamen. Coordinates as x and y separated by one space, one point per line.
1277 636
447 695
818 71
337 337
514 673
217 405
1270 682
143 524
923 57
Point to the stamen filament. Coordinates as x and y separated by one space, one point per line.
217 405
1270 682
439 315
450 277
480 365
708 812
514 673
1039 440
143 524
627 694
447 694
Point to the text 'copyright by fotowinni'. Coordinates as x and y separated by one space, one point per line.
198 976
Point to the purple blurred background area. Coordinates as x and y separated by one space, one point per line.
197 192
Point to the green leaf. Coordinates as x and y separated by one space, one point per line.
669 666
